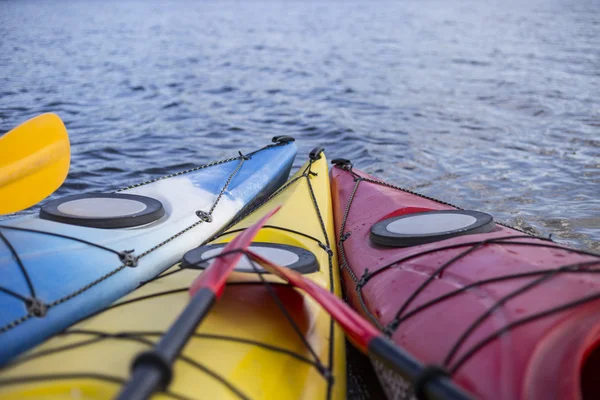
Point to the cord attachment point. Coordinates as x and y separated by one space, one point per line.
36 307
391 328
204 216
326 248
326 373
345 237
127 258
282 139
363 279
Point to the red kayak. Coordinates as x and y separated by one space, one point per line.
506 314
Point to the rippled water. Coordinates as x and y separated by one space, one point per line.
490 106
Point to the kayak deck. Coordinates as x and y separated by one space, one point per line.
247 347
484 306
56 273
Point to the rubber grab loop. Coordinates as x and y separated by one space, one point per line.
315 154
342 163
282 139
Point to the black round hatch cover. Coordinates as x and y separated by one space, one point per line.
103 210
293 257
429 226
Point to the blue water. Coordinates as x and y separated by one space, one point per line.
490 105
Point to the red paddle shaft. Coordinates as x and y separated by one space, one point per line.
432 384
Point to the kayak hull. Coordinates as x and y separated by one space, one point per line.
463 303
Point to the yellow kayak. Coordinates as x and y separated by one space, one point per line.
246 348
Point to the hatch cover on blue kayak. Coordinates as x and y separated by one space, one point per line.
293 257
429 226
103 210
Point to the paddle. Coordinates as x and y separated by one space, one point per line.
151 370
432 383
34 162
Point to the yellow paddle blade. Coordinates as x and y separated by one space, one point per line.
34 162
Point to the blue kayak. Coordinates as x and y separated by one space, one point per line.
83 252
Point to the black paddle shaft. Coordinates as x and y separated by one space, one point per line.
151 370
430 383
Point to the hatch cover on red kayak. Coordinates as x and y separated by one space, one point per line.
430 226
103 210
293 257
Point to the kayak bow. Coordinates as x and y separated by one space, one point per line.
508 315
101 246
